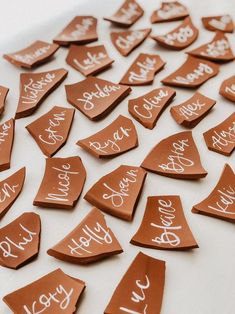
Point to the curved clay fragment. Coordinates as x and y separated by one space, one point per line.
7 130
169 11
223 23
227 88
3 95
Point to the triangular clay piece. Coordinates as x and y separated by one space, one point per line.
177 157
90 241
51 130
62 183
7 130
223 23
169 11
81 30
127 41
89 60
3 95
193 110
193 73
140 289
20 240
143 70
127 14
95 97
118 192
164 226
221 201
148 108
35 87
35 54
117 138
221 138
55 292
180 37
10 189
227 88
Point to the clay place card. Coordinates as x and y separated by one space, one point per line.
89 60
223 23
140 289
19 240
221 201
10 189
169 11
7 130
177 157
118 192
55 292
221 138
95 97
148 108
35 54
193 73
143 70
227 88
51 130
117 138
35 87
62 183
180 37
164 226
192 111
90 241
127 41
3 95
81 30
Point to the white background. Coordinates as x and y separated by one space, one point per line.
197 282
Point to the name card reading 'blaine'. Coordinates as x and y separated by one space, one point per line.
7 130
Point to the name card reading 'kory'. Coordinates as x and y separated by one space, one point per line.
55 292
169 11
140 289
221 201
95 97
148 108
90 241
35 87
62 183
117 138
19 240
51 130
177 157
7 130
223 23
118 192
3 95
164 226
227 88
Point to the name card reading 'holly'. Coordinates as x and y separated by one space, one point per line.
169 11
3 95
7 130
223 23
227 88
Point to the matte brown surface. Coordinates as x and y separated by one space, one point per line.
223 23
169 11
227 88
3 95
7 130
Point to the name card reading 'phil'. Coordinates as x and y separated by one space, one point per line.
227 88
223 23
169 11
7 130
3 95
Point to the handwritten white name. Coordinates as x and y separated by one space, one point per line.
5 132
192 109
144 68
222 23
224 138
226 200
169 10
7 191
125 42
216 48
230 89
181 36
91 61
29 57
80 30
128 13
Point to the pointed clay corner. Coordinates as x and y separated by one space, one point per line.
7 130
3 95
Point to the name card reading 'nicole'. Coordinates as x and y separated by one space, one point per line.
169 11
227 88
7 130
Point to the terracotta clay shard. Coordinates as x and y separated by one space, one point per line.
35 87
180 37
143 70
127 14
62 183
51 130
223 23
164 226
117 138
7 130
90 241
221 201
81 30
193 110
221 138
141 288
55 292
95 97
148 108
227 88
169 11
89 60
193 73
10 189
37 53
3 95
126 42
118 192
177 157
19 240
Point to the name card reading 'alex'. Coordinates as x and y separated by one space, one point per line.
169 11
3 95
223 23
227 88
7 130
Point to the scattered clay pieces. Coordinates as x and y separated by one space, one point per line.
3 95
177 157
223 23
227 88
94 97
7 130
118 192
169 11
90 241
221 201
19 240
